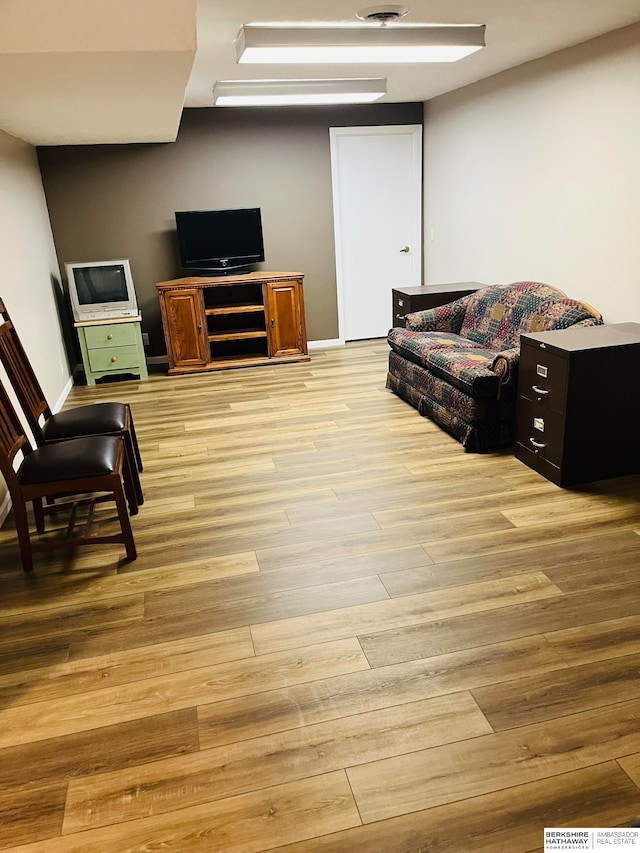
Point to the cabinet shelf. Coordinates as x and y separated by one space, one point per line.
238 335
235 309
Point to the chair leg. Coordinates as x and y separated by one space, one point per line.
132 459
22 529
123 515
134 440
38 515
128 480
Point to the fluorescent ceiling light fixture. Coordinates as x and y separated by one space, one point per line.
258 43
274 93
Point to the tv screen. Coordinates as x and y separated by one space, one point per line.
220 240
100 284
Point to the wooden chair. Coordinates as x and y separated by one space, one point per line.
93 468
94 419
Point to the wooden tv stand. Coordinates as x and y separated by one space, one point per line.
233 321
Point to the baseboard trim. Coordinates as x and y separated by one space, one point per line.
330 344
63 395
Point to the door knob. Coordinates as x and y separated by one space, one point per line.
406 250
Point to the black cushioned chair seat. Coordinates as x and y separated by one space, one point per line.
83 457
97 419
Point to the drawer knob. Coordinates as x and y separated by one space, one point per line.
109 337
538 390
113 358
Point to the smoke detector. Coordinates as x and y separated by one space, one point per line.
382 14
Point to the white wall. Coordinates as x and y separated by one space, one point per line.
534 174
30 272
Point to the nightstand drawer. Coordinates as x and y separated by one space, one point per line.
114 358
112 335
543 377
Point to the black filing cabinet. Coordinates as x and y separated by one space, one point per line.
407 300
578 417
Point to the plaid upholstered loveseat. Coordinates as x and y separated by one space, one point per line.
458 364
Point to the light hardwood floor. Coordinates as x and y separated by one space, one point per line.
342 635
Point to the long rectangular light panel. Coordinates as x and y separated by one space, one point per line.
366 44
250 93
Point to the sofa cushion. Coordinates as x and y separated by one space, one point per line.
462 363
417 345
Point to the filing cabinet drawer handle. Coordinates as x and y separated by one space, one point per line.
538 390
539 444
401 316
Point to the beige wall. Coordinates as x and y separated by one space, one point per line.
30 272
119 201
535 174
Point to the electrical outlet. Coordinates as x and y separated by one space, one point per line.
145 339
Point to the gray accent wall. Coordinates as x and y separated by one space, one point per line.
118 201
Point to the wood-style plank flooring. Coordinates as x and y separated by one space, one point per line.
342 634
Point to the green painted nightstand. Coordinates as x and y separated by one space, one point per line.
112 348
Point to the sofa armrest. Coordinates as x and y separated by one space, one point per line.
444 318
505 364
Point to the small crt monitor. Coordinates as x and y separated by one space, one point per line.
101 290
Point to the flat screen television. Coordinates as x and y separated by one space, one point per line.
219 241
100 290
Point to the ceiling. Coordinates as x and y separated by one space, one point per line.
86 71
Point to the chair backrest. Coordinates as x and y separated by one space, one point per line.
22 376
13 439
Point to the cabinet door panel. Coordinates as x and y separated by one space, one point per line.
184 314
285 323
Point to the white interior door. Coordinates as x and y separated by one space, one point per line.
377 208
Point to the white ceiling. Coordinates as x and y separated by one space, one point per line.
86 71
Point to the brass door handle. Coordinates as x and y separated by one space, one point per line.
406 250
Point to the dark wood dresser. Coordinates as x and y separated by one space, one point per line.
409 299
578 416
